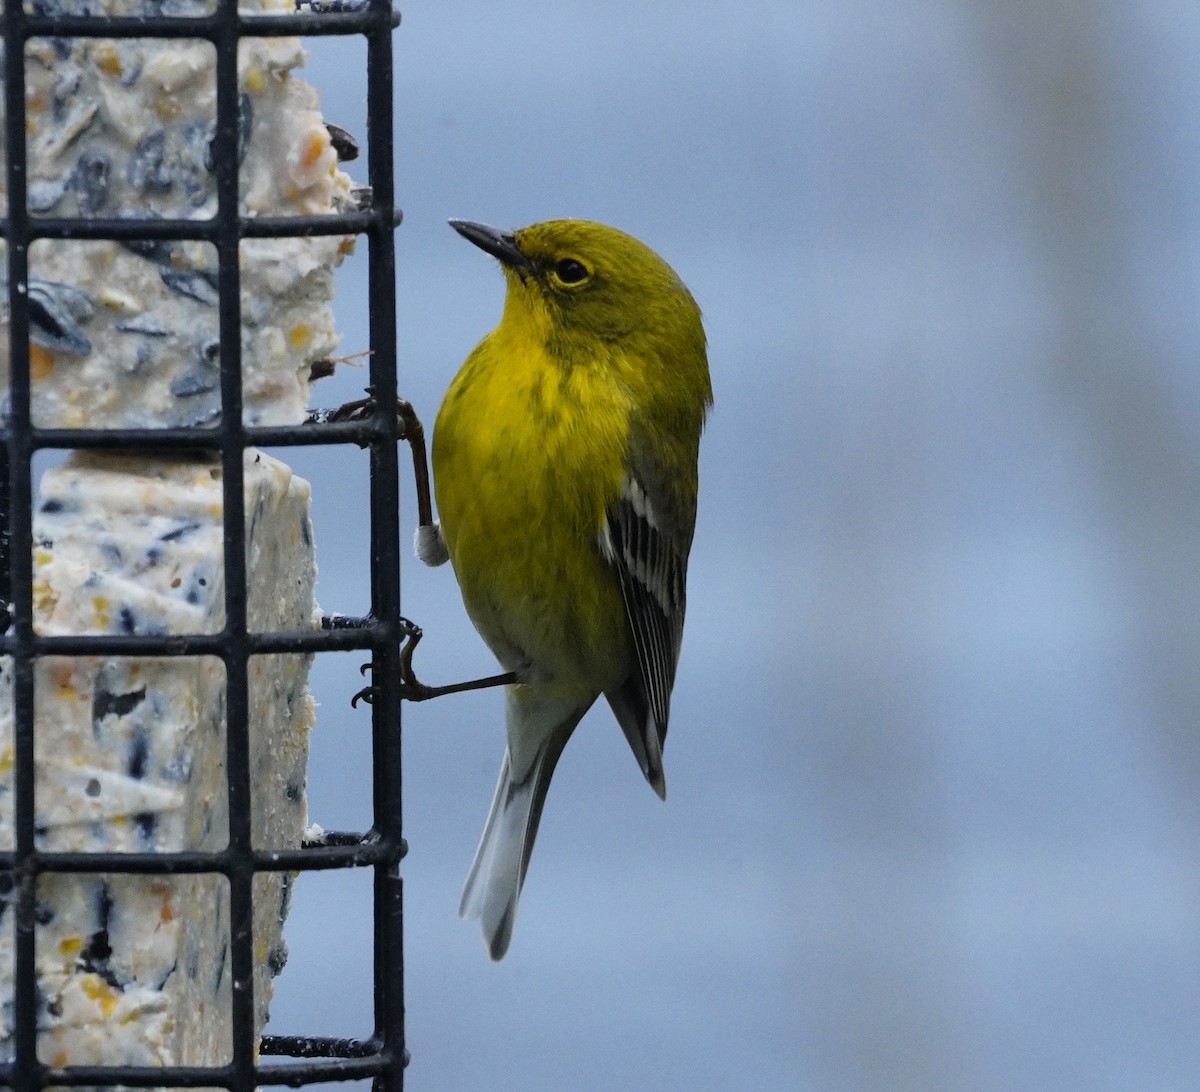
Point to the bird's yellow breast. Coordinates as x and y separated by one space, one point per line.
528 452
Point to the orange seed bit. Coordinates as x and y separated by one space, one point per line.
313 148
41 361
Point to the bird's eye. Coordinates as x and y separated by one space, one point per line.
570 271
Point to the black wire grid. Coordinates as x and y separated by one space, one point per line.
382 1056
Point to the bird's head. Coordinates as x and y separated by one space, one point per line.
580 282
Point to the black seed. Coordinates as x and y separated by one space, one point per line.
185 528
199 284
106 704
91 181
146 823
221 968
95 955
146 170
154 250
53 313
138 755
210 353
276 959
188 386
343 143
145 325
245 125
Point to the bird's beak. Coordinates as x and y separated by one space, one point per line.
499 244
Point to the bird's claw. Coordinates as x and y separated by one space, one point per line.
358 410
408 425
367 693
411 688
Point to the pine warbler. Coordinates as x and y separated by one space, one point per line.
564 463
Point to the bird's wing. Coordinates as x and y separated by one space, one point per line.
646 538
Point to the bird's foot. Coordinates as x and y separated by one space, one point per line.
408 424
411 688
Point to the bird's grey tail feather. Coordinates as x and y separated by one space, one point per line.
494 883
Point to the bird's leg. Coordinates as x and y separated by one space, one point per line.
408 428
413 431
411 688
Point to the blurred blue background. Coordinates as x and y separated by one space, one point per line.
933 763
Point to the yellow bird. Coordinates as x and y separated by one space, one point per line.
564 464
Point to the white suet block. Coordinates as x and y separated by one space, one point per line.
130 752
125 334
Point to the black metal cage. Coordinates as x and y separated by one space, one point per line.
294 1061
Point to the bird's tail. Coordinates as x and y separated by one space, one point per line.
538 730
